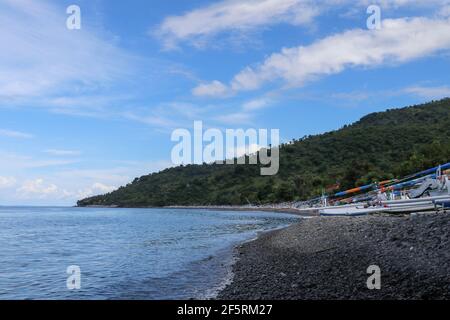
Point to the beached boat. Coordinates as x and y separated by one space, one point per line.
402 207
428 190
350 211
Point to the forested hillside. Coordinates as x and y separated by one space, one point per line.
379 146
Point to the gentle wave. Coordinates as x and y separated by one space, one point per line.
123 253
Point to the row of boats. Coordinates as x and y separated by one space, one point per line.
428 190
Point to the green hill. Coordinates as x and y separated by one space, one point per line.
379 146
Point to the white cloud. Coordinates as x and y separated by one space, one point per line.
82 183
96 189
245 114
386 4
213 89
102 187
15 134
399 41
256 104
241 16
110 176
429 92
235 118
354 96
152 119
85 177
40 189
96 106
56 152
7 182
168 116
40 56
37 188
234 15
67 186
445 11
17 162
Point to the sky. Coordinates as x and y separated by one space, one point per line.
84 111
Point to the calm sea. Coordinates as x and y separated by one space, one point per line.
122 253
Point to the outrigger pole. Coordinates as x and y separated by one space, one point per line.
425 172
394 184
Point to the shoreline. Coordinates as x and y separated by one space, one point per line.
230 254
327 258
300 212
233 257
290 210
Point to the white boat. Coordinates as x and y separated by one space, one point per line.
392 206
350 210
431 193
415 201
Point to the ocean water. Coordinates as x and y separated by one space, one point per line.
122 253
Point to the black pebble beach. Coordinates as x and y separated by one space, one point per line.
328 258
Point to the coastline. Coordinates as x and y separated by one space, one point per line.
327 258
229 258
290 210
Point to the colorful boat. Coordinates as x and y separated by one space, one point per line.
428 190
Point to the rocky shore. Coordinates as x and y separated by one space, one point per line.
328 258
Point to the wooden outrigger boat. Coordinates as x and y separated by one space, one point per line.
357 210
431 193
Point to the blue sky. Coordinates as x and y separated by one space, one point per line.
85 111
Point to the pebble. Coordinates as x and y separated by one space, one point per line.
278 261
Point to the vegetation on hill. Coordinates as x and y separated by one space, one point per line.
380 146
